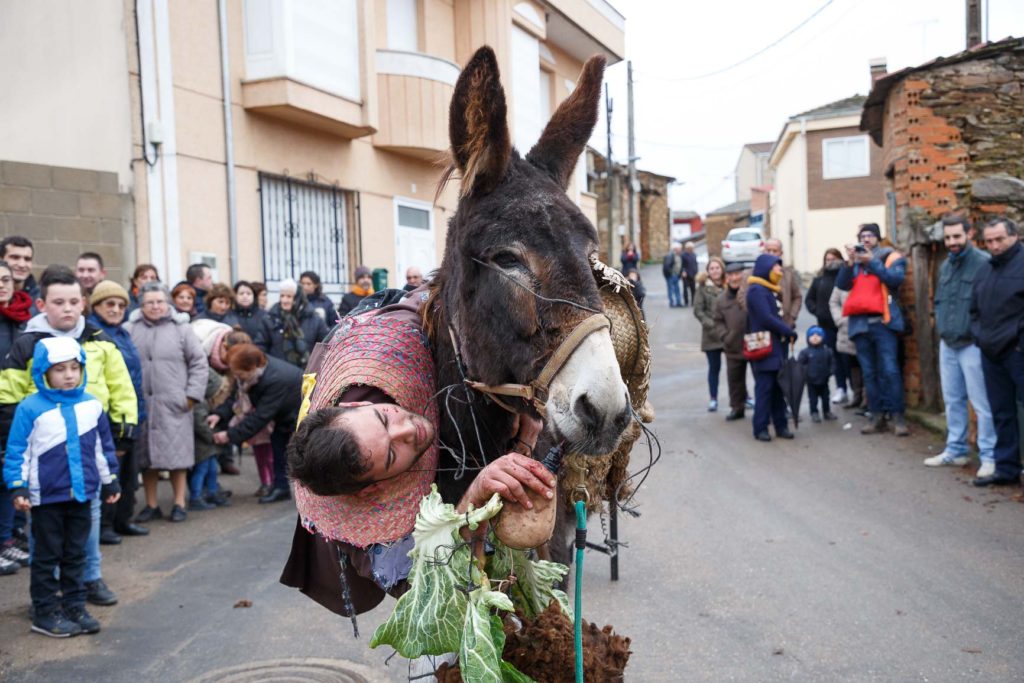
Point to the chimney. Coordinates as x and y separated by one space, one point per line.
878 69
973 23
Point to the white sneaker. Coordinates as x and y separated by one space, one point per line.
944 459
712 405
839 396
987 469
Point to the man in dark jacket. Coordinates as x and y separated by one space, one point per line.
997 320
689 274
672 268
18 252
960 368
731 323
873 275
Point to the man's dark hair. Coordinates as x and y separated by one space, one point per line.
324 457
15 241
951 219
91 256
56 274
1011 227
194 272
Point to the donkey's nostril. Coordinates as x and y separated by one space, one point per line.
587 413
622 421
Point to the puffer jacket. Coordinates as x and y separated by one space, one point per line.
891 276
254 322
60 447
818 295
704 310
764 315
835 306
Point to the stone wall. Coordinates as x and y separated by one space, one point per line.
67 211
655 215
952 140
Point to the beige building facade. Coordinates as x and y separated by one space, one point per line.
828 180
270 137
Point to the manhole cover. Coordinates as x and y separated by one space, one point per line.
310 670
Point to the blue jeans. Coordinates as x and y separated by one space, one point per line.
963 380
877 353
6 514
1004 383
204 474
714 370
93 556
675 294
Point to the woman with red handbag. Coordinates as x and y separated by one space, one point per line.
763 346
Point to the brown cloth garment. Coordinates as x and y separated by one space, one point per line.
789 294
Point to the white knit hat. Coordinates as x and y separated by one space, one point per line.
208 332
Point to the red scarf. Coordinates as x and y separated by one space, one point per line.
19 308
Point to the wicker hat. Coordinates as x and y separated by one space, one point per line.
107 289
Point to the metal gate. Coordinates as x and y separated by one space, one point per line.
303 228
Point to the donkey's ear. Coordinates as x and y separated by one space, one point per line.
569 129
477 125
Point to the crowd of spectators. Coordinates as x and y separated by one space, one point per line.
102 385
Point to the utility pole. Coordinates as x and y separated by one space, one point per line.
609 173
632 153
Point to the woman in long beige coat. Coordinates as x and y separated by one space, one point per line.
174 374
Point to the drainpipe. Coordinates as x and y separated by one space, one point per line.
803 205
229 140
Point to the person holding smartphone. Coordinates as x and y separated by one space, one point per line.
872 274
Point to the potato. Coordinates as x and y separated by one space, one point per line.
524 529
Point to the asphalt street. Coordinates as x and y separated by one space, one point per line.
832 557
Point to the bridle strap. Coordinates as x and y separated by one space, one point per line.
536 392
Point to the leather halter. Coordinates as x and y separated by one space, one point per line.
536 392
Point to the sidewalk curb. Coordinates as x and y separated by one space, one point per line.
933 422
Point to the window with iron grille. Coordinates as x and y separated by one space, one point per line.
304 227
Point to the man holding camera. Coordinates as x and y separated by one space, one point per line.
872 274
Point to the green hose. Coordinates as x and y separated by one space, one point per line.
581 542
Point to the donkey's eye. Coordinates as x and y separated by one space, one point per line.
506 260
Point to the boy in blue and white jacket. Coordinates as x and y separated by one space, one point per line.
60 456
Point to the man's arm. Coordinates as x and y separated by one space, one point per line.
796 296
891 275
844 280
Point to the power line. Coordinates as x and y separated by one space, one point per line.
756 54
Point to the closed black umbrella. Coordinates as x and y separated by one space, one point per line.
792 379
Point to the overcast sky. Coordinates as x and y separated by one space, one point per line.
692 128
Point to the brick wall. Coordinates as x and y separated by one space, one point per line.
66 211
838 193
945 129
654 216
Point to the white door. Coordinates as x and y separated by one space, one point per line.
414 234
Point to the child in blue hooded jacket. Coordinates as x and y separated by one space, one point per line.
60 456
817 362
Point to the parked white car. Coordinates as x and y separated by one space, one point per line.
742 244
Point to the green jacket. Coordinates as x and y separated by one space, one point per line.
953 296
704 311
106 374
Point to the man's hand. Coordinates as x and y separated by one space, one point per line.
527 430
212 420
851 250
509 476
865 258
22 504
221 438
113 499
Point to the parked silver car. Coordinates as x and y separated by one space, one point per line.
742 244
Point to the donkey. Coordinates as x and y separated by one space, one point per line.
516 281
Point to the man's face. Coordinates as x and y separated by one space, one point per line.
66 375
89 272
62 306
20 261
206 280
868 240
998 240
734 279
773 247
391 438
955 238
414 277
111 310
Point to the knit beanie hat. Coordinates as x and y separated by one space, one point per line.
208 331
107 289
815 330
362 271
872 228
